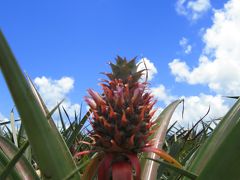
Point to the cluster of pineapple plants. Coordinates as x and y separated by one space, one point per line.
124 141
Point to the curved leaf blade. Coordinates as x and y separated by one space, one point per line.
4 160
53 156
220 153
7 170
150 168
176 169
23 167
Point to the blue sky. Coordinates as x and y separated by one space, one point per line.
63 45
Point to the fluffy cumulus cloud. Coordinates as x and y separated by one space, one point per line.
162 94
152 71
192 9
187 48
53 91
195 107
219 63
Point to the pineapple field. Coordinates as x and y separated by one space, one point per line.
120 137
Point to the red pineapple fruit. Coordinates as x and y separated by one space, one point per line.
121 122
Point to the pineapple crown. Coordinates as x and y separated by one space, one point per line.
123 69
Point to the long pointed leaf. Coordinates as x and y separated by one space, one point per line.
8 122
53 156
150 168
61 119
77 129
43 105
13 161
23 167
176 169
221 151
4 160
14 132
22 137
70 123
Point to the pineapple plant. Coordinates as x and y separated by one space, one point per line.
121 129
122 122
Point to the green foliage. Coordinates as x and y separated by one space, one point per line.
162 122
182 143
7 170
218 158
52 155
176 170
204 151
14 162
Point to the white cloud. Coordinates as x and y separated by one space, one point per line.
219 63
187 48
193 10
53 91
162 94
152 71
196 107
